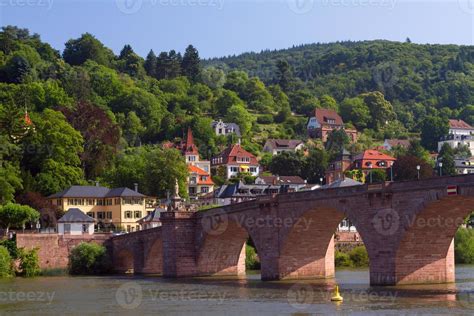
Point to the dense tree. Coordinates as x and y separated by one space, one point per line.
151 64
446 156
432 129
284 77
239 115
191 63
355 110
380 109
405 168
101 136
16 215
130 63
315 165
10 178
287 164
213 77
77 51
336 142
226 100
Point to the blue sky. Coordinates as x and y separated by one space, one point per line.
223 27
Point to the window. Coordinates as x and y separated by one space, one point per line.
331 121
67 228
191 158
204 189
100 202
109 215
108 202
85 228
117 201
253 169
91 214
100 215
128 214
234 169
128 228
138 214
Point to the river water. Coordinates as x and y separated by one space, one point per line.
136 295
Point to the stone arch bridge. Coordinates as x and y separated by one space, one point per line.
407 227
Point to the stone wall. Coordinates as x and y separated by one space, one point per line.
54 249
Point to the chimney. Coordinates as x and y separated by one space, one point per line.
97 183
136 187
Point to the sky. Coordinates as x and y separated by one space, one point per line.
226 27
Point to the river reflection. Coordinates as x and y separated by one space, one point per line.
232 296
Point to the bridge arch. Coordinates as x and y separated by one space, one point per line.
124 261
426 250
153 257
222 248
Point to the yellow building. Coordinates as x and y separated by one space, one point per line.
119 207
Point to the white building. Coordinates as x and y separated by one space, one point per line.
277 146
221 128
458 140
464 166
152 220
459 127
75 222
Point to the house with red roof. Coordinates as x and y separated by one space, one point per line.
372 159
234 160
199 180
459 127
325 121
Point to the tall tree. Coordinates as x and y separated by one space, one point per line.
77 51
16 215
446 156
130 63
432 129
287 164
191 64
151 64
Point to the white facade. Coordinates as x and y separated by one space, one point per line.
233 170
461 131
457 141
275 151
75 228
313 123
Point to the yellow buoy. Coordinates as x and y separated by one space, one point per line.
336 297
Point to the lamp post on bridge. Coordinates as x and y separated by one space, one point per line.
391 171
418 167
440 164
370 171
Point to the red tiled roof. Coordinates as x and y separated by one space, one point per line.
371 154
197 170
324 115
460 124
200 173
231 153
189 147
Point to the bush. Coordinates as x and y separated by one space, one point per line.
359 257
378 175
5 263
10 244
265 119
29 262
464 246
88 258
251 258
342 259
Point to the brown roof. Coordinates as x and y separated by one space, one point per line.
459 124
282 179
324 115
371 154
231 153
284 143
189 147
405 143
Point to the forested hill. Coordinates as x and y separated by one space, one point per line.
87 114
410 74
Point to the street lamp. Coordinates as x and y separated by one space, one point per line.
418 167
321 181
440 164
391 171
